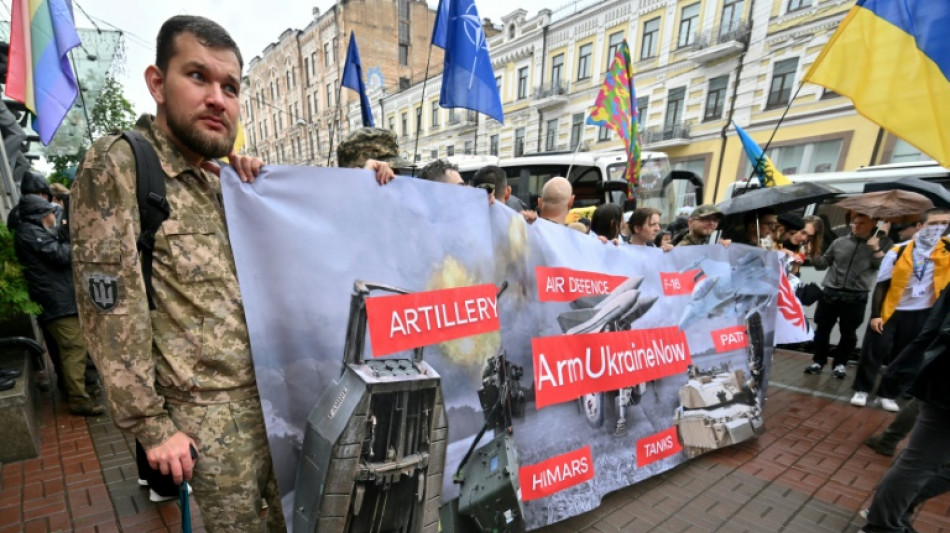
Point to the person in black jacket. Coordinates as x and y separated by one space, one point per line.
47 267
923 469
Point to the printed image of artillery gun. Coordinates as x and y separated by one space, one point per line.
489 497
718 408
375 445
614 312
375 442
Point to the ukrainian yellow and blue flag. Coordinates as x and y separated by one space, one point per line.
765 170
892 58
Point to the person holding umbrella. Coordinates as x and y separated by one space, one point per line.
846 287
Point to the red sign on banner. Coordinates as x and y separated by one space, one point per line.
728 339
556 474
407 321
655 447
567 285
568 366
678 283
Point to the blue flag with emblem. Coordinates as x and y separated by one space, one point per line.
353 79
468 79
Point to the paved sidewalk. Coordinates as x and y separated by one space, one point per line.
807 473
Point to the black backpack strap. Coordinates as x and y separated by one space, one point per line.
153 207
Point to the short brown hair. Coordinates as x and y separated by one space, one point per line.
641 216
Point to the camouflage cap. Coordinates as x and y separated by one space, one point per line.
705 210
370 143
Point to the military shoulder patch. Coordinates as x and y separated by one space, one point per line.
103 291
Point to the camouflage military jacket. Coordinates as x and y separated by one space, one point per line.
194 346
691 240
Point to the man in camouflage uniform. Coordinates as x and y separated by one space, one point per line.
702 223
182 374
363 146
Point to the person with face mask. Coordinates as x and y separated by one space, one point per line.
909 281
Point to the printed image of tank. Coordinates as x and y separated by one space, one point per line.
614 312
718 408
375 446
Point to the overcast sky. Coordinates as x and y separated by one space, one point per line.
252 29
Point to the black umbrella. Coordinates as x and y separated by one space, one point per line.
937 193
781 198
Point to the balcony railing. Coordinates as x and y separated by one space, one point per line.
550 94
670 135
721 41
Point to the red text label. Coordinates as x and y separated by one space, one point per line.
678 283
655 447
734 338
566 285
556 474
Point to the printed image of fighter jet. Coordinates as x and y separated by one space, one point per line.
715 295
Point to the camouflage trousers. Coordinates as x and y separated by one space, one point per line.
72 356
234 473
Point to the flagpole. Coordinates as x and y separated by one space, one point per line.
422 104
755 165
85 110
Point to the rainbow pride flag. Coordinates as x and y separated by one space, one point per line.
42 33
615 108
892 59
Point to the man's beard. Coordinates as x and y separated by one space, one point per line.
199 142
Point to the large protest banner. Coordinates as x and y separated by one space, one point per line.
634 360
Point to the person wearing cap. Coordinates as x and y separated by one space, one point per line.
45 258
703 221
369 148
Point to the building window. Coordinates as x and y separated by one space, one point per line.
326 54
643 105
807 158
583 62
674 106
418 118
689 22
469 147
783 75
306 70
603 134
471 116
557 65
493 145
336 50
577 123
316 101
731 17
716 98
293 77
828 93
403 54
329 95
522 83
450 150
405 124
434 154
651 33
519 142
392 124
904 152
435 115
550 141
404 31
614 46
795 5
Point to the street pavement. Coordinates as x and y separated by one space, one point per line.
809 472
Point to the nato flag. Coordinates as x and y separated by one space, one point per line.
353 79
468 80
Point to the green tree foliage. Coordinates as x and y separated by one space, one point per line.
14 298
112 112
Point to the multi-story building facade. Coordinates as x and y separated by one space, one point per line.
699 64
292 104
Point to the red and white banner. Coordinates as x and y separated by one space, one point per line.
566 285
791 325
568 366
407 321
728 339
556 474
658 446
679 283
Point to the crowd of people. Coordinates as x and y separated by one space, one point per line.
176 364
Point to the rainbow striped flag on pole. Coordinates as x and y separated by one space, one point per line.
42 33
615 108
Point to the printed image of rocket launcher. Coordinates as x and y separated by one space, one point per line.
375 442
616 311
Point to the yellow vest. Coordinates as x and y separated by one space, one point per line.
904 267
